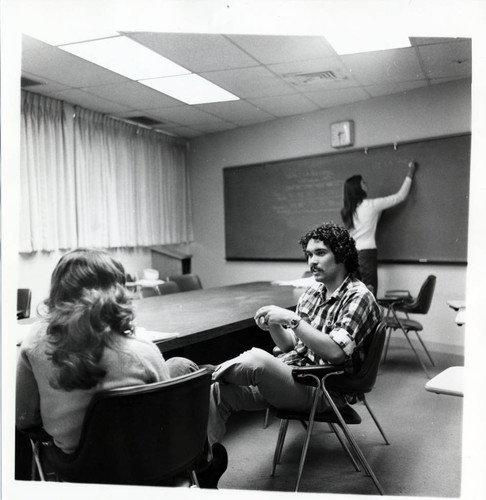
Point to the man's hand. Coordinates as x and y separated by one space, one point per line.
273 315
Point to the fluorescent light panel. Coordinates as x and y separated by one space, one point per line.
191 89
132 60
125 57
343 43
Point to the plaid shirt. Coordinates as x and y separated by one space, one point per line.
348 316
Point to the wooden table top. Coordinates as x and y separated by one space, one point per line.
211 312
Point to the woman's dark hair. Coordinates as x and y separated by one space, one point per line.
353 195
87 306
339 241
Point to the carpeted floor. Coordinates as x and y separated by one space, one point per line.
424 430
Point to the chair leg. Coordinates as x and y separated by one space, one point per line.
417 354
352 441
425 348
385 352
345 446
195 482
36 462
280 441
375 419
310 425
267 415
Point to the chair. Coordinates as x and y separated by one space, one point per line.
141 435
24 298
168 287
149 291
186 282
401 301
329 377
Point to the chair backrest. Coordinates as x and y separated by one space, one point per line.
422 302
365 379
148 291
140 435
24 298
168 287
186 282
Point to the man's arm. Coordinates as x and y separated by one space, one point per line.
276 319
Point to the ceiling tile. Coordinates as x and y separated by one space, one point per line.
29 43
235 110
394 87
196 52
328 72
210 128
446 60
247 123
331 98
384 66
250 82
67 69
89 101
46 88
432 40
285 105
435 81
184 115
134 95
180 131
270 49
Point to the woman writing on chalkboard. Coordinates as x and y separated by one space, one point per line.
360 216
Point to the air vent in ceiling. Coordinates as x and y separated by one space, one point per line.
28 82
329 75
144 120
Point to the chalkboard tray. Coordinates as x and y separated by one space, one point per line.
268 206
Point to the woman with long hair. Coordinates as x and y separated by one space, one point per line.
360 216
85 343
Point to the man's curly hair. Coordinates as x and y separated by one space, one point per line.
338 239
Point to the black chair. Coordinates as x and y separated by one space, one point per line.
149 291
325 378
168 287
24 298
186 282
401 301
141 435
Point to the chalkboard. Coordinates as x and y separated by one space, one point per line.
268 206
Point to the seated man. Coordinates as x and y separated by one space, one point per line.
331 322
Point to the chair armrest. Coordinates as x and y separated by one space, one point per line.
403 295
312 375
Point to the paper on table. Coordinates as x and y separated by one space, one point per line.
154 336
298 283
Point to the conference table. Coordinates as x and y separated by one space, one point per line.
193 317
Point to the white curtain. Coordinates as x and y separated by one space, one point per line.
127 186
47 197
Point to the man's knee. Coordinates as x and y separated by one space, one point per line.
257 358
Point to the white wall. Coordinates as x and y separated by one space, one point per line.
35 270
427 112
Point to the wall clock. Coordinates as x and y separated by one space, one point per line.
342 134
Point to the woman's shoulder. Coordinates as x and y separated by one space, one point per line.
137 346
36 334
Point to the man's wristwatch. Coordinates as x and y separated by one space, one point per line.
293 323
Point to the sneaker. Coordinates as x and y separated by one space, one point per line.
209 477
